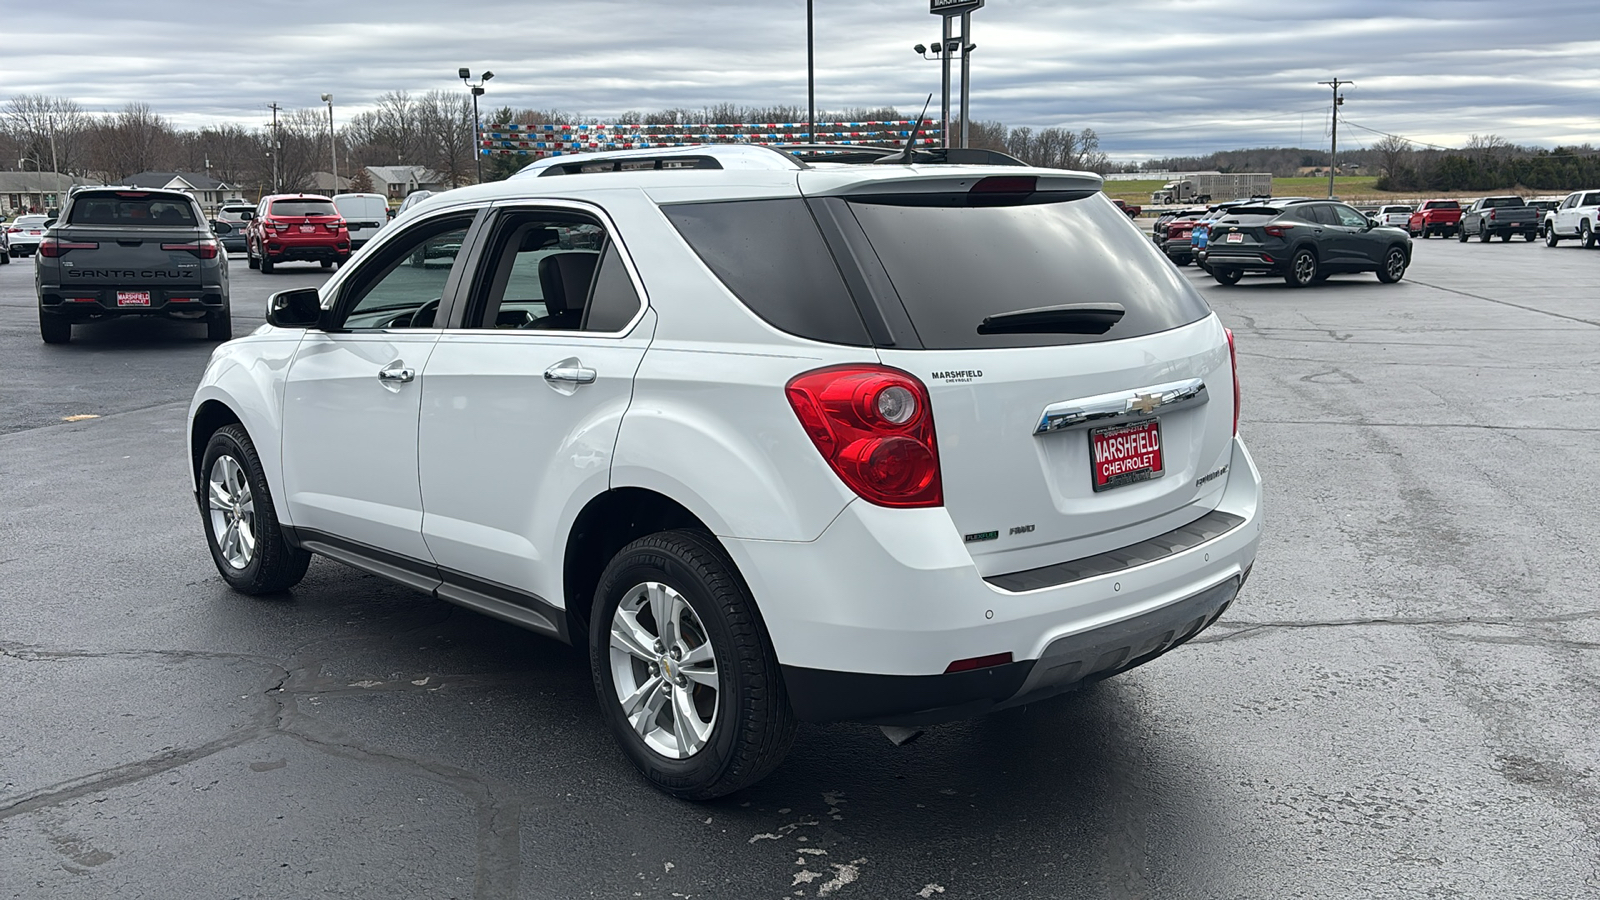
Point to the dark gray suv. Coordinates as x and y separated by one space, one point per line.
126 251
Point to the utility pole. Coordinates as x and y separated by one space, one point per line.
1333 153
811 79
276 144
333 143
966 70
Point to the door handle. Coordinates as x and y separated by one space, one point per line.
572 374
395 373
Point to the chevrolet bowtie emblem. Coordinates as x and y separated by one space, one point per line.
1144 402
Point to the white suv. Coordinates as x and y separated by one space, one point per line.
898 444
1578 216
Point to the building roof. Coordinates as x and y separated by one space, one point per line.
324 181
193 180
39 182
405 175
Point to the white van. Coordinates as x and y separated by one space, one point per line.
364 214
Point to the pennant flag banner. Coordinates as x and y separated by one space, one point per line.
561 140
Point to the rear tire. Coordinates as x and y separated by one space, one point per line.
54 329
5 258
235 498
327 264
1394 266
266 264
717 632
1302 269
219 325
1529 236
1483 236
1505 237
1227 276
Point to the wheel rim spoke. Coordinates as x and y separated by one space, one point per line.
664 607
686 724
220 498
645 719
698 655
630 637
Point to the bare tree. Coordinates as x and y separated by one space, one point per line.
444 127
135 139
1392 151
52 131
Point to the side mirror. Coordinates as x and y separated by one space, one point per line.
1373 223
221 228
295 308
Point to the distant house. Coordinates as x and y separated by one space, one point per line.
22 192
395 182
211 192
324 183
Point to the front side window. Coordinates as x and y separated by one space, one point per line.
551 270
1348 217
403 285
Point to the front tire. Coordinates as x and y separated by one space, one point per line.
266 264
54 329
1461 235
1586 234
250 256
1302 269
686 676
1394 266
241 522
1550 237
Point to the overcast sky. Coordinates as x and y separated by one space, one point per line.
1153 77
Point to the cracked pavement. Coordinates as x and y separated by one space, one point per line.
1400 704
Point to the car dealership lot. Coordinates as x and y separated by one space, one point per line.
1399 703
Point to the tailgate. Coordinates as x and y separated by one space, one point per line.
1022 497
126 256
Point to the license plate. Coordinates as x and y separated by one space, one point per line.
1235 238
133 298
307 229
1125 454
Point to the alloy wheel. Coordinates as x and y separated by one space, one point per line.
233 511
664 670
1305 267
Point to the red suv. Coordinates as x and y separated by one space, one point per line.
288 227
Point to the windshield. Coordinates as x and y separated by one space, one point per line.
303 208
953 266
125 208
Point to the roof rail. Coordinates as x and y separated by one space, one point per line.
693 156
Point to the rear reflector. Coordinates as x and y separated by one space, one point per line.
979 662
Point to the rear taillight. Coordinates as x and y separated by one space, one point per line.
335 226
280 226
874 426
1277 230
206 249
53 247
1491 215
1233 360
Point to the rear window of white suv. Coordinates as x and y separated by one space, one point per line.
954 266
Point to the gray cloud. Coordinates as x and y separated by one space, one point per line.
1154 77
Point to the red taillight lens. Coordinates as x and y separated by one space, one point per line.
874 427
206 249
1233 360
280 226
53 247
335 226
1277 230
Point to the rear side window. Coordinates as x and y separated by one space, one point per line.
131 208
771 255
953 266
303 208
1591 200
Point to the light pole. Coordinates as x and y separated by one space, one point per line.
944 51
811 80
23 159
465 75
333 142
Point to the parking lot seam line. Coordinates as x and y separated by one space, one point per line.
105 417
1532 309
1246 628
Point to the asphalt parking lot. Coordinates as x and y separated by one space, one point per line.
1400 704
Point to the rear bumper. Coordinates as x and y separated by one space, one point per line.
1176 247
278 252
1247 261
93 301
866 619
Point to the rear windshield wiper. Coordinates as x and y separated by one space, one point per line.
1068 318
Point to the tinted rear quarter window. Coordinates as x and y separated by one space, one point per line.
1590 200
128 208
953 266
771 255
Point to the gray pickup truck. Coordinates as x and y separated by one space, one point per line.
1505 216
131 252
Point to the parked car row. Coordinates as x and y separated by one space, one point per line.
1575 216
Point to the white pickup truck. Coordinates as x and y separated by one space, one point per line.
1578 216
